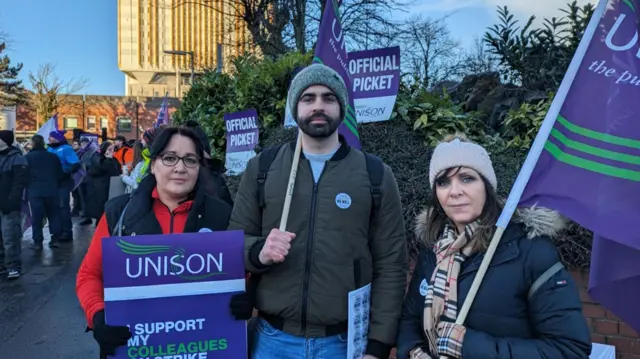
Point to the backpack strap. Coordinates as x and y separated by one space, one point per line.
544 277
267 156
375 168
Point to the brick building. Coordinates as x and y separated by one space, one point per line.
605 327
127 116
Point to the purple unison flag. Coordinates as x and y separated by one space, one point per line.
242 139
163 114
375 76
590 166
173 292
331 51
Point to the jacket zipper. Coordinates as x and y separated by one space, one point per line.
310 240
171 216
171 223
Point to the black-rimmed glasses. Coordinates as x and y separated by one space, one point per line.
170 159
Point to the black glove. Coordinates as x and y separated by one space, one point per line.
242 306
109 337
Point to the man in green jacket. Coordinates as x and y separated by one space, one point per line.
333 244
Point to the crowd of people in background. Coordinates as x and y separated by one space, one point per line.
53 181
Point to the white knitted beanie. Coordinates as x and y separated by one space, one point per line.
461 153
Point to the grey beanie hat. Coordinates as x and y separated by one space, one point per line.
317 74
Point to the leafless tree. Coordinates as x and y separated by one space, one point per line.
429 51
49 92
368 24
264 19
278 26
478 59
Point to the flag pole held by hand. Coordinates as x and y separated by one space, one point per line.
291 184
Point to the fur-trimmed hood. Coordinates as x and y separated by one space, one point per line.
537 222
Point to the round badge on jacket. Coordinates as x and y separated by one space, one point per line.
343 200
424 286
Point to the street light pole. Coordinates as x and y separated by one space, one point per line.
178 83
191 63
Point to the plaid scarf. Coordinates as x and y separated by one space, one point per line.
442 295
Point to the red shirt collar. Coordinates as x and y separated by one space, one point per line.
184 207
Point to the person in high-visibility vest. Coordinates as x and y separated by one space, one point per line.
124 153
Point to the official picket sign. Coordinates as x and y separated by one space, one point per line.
375 79
173 292
242 139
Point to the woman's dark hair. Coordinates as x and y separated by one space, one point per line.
161 142
37 142
137 153
492 208
104 147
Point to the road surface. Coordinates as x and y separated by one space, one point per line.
40 317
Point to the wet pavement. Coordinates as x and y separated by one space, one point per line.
40 316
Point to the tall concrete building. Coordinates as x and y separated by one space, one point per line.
211 30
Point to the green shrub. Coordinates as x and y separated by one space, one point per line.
521 126
435 116
537 58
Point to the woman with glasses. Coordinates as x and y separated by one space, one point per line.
171 199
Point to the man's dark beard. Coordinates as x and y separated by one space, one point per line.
319 130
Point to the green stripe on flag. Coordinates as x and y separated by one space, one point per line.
349 118
604 137
630 4
351 128
578 146
351 111
336 11
352 124
612 171
317 60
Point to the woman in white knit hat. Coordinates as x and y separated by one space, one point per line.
528 306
